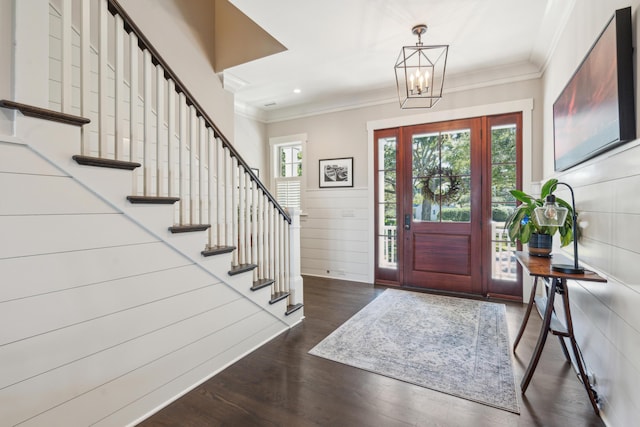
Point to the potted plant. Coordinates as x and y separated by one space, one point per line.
522 226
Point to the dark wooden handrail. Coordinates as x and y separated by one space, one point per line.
130 27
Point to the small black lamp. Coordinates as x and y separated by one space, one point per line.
553 215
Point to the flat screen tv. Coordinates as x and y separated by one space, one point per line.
595 111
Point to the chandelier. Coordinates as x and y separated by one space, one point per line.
420 72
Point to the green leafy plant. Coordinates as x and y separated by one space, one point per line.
522 223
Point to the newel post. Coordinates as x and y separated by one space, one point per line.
296 287
31 52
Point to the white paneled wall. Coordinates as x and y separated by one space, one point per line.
334 237
607 315
102 322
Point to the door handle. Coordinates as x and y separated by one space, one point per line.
407 222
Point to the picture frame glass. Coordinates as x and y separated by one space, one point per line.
336 172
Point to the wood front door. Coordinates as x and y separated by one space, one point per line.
441 206
442 194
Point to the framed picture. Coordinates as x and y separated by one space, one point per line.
595 111
336 172
256 172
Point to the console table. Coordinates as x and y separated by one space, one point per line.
555 283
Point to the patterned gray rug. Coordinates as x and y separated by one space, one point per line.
452 345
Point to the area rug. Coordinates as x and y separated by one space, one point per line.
452 345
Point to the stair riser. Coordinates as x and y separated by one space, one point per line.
107 183
154 217
295 317
217 264
188 243
57 141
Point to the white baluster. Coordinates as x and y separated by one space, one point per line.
261 258
193 165
85 74
160 132
272 246
220 206
148 118
234 208
228 203
241 218
212 146
171 136
103 74
134 118
295 279
67 44
183 158
119 81
202 172
276 249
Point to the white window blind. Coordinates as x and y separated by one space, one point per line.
288 191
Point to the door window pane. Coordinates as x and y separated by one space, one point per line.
503 179
441 176
387 204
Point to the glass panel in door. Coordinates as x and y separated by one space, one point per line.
386 215
504 136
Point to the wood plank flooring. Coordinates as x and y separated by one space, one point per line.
281 385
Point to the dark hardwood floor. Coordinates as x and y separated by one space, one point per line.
281 385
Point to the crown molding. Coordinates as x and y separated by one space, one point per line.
488 77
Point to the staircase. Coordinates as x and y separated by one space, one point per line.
146 148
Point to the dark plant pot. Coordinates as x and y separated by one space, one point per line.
540 245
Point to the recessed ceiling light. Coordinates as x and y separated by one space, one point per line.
296 90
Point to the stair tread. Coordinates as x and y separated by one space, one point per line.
189 228
293 308
241 268
278 296
153 200
262 283
105 163
44 113
217 250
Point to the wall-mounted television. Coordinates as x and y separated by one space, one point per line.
595 111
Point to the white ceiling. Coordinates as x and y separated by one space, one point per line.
341 53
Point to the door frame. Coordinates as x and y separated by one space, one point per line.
525 106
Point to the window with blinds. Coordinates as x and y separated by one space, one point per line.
288 179
288 191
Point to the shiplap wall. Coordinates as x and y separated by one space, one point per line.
101 322
606 316
334 238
